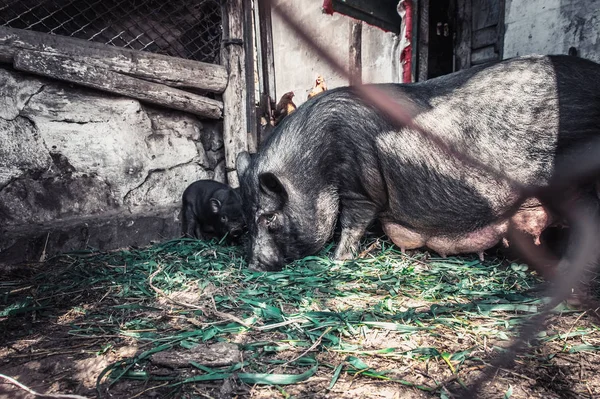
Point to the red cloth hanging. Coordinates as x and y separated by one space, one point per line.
328 7
405 7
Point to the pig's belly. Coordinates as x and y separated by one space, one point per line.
531 218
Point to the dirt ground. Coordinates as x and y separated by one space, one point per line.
43 350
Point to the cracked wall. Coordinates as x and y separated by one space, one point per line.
69 153
298 65
552 27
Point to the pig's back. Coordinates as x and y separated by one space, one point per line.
514 116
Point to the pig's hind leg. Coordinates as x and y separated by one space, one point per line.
355 217
189 225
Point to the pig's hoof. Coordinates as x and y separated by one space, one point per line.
342 256
257 267
339 261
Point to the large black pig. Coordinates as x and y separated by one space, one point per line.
338 158
211 209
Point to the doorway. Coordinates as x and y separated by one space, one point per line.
441 21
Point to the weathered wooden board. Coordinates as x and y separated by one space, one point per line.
423 40
485 37
67 69
235 133
171 71
250 74
464 35
486 13
266 63
485 54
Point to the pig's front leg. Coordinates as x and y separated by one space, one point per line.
355 217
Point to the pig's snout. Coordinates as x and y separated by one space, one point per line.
236 232
263 264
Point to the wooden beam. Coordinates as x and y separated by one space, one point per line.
381 14
484 54
423 40
414 40
250 83
266 48
355 53
67 69
235 134
501 29
486 13
485 37
463 35
171 71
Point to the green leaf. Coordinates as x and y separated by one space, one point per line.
357 363
336 375
277 379
395 326
202 367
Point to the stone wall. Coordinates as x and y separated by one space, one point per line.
81 168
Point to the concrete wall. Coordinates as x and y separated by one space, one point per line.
551 27
297 66
82 168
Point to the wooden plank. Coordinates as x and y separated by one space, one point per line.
235 134
65 68
355 53
380 13
171 71
423 38
483 55
251 127
266 47
266 65
486 13
500 29
485 37
414 40
463 35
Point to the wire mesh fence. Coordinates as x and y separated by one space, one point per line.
179 28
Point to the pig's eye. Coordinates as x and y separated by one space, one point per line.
270 218
223 218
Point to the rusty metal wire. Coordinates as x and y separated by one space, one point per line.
188 29
583 219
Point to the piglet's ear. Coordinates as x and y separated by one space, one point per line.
215 205
271 185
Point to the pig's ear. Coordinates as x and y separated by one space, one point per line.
215 205
271 185
242 162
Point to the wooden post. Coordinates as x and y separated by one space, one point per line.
501 29
423 40
171 71
250 84
235 135
355 61
414 40
65 68
266 61
266 47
